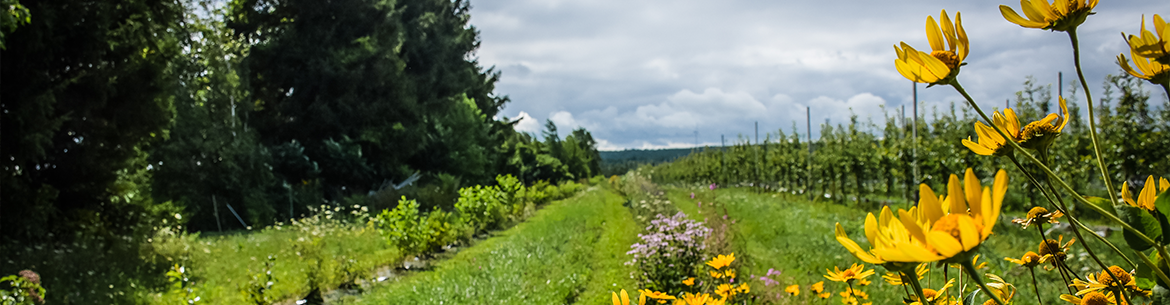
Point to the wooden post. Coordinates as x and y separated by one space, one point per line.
215 209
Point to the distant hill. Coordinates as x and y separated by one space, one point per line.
619 162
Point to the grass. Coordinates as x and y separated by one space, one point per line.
796 237
315 253
572 251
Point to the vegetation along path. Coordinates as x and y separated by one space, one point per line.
572 250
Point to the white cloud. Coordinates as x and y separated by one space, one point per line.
527 123
631 72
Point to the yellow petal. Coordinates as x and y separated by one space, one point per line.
1013 17
973 190
1044 10
998 190
969 235
948 30
963 43
1012 123
1165 185
988 220
1126 195
929 204
955 195
616 301
886 216
871 229
945 244
1147 196
1064 112
977 149
912 228
854 248
933 35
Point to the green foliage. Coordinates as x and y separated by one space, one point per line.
13 16
74 123
482 207
404 227
21 290
257 289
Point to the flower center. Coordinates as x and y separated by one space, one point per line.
1049 247
947 57
1123 277
1036 212
930 294
948 224
1094 298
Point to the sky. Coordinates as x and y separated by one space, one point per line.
648 74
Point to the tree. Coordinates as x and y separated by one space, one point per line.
87 85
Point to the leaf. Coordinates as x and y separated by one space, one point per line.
1160 295
970 298
1142 221
1162 204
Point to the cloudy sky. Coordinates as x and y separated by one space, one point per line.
649 73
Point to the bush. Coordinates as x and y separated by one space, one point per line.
481 207
403 227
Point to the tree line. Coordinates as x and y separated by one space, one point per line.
865 162
118 114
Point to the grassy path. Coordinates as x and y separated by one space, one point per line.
571 251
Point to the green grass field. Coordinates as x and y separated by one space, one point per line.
571 251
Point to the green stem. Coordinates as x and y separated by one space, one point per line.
1035 286
1048 171
1157 270
913 280
967 266
1072 36
1060 201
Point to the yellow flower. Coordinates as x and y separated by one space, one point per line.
744 288
854 272
721 261
1149 46
849 292
1091 298
716 274
1040 134
1006 291
894 278
689 281
1030 259
694 299
818 287
1054 248
1039 215
1155 72
793 290
1106 281
730 273
661 297
1148 194
990 142
624 300
724 290
824 295
1061 15
945 58
939 228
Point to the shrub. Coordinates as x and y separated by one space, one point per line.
403 227
669 252
481 207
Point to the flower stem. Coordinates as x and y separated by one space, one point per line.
1035 286
1157 270
1048 171
1072 35
967 266
913 280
